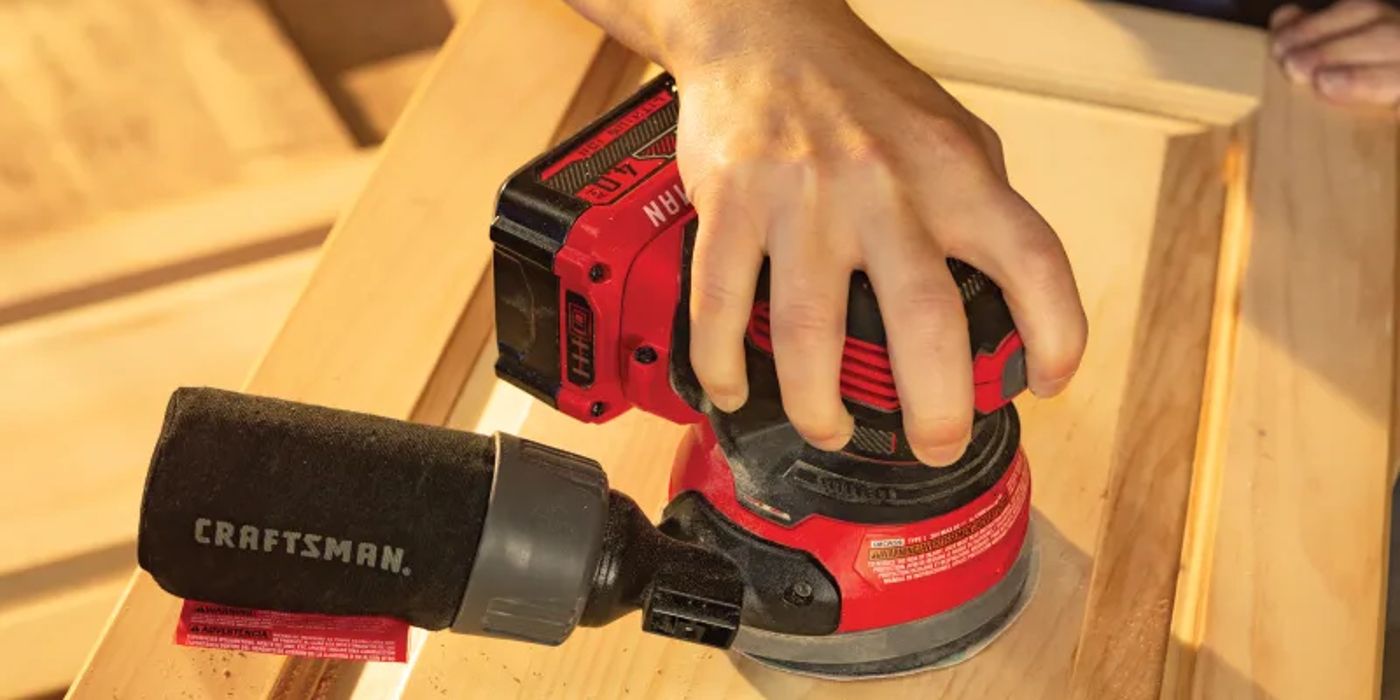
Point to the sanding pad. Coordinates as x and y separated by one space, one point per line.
939 641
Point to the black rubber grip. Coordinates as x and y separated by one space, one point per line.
271 504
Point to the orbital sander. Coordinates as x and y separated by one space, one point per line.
849 564
857 562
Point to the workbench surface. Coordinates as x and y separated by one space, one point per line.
1211 493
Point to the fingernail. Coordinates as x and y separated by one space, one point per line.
1283 15
940 456
1294 68
729 402
1331 82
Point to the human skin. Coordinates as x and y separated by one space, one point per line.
805 138
1349 52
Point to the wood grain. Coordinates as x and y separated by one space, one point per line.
1293 592
82 400
394 278
1095 52
1112 119
1126 631
430 196
367 55
1109 210
118 254
108 106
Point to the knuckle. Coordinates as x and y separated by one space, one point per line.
952 142
865 148
708 183
1368 9
806 318
951 137
1041 262
713 295
926 294
990 136
1305 59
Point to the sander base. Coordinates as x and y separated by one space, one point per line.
938 641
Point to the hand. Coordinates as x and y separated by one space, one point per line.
805 138
1349 52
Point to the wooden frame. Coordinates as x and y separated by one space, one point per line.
1239 546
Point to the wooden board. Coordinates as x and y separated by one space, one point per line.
395 276
1135 144
1097 52
367 55
97 324
1288 589
1111 209
82 400
120 253
115 105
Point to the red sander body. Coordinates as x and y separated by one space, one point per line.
856 563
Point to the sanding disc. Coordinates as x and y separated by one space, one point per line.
939 641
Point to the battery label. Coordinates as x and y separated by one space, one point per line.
353 638
886 560
620 155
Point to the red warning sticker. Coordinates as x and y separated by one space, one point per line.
887 559
354 638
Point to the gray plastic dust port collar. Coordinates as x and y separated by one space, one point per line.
539 545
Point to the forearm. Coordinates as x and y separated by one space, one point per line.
678 34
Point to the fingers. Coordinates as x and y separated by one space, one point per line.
810 282
1022 254
927 335
1372 44
1284 16
724 269
992 228
1308 29
1376 85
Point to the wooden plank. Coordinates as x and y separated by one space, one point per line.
1204 499
83 395
118 254
59 625
1291 591
380 90
366 55
1126 632
115 105
435 185
1117 156
395 277
1097 52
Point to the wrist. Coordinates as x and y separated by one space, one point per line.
683 35
699 33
